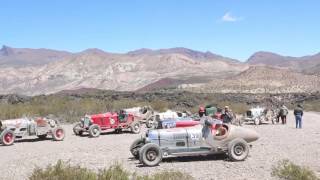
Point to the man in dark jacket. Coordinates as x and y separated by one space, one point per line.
298 113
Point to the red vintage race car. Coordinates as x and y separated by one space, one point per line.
95 124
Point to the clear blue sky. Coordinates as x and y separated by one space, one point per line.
233 28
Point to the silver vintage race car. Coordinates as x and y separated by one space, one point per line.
12 129
211 137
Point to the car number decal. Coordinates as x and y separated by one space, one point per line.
194 136
112 121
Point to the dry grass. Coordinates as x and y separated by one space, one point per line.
63 170
290 171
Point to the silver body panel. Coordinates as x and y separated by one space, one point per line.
197 140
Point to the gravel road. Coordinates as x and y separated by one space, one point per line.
277 142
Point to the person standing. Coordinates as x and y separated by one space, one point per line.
283 114
227 116
298 113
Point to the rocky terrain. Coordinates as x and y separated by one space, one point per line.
94 68
43 71
262 79
300 64
276 142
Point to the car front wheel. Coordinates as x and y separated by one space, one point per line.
238 150
76 129
58 134
94 131
135 147
150 154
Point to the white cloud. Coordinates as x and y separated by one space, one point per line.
228 17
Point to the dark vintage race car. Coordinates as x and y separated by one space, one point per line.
210 137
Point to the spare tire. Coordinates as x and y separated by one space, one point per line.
238 150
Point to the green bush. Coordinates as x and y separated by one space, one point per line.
64 171
290 171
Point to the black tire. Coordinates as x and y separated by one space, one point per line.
94 131
58 134
238 150
42 136
76 130
118 131
7 137
135 127
150 154
135 147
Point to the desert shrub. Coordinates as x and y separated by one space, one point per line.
313 105
64 171
290 171
115 172
167 175
160 105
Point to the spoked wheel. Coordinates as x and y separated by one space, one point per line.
76 129
238 150
7 137
58 134
150 154
135 147
94 131
135 127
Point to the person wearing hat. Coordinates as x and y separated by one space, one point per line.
298 113
201 111
227 116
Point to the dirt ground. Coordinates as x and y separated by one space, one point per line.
276 142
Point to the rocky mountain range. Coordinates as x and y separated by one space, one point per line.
43 71
304 64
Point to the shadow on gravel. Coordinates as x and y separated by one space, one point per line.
32 140
197 158
219 157
106 133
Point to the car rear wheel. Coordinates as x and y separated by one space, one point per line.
94 131
7 137
238 150
135 127
150 154
58 134
76 129
135 147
